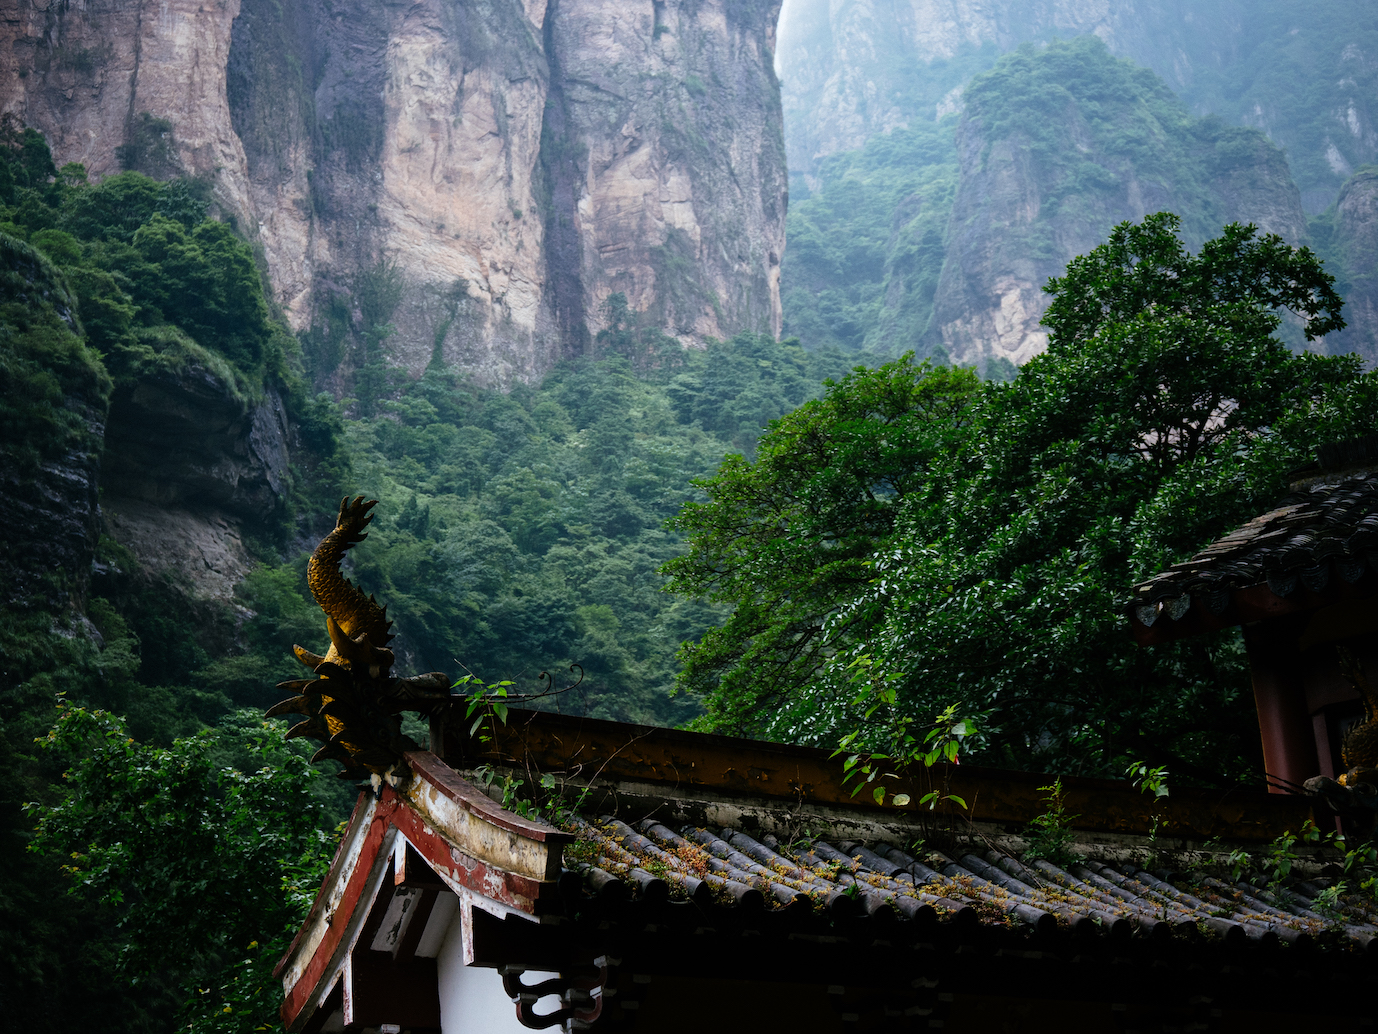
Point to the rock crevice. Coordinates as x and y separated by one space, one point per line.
510 164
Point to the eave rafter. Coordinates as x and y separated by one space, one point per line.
394 867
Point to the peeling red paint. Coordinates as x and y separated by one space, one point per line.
393 811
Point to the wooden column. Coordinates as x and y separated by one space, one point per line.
1284 721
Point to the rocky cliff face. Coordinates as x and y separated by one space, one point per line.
480 175
1356 245
182 438
855 68
1030 199
190 459
666 156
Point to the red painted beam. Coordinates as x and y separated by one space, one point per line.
460 869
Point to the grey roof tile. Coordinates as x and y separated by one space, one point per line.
1323 529
726 867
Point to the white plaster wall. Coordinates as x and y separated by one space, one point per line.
472 1000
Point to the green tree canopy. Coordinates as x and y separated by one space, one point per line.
201 858
787 539
1163 413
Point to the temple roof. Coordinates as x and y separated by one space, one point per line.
1318 545
679 856
1086 897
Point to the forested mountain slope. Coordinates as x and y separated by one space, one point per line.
915 110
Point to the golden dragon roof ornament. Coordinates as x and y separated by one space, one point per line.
354 702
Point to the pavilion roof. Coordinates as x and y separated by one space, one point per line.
1318 546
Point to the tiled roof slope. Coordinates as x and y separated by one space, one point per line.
727 868
1322 535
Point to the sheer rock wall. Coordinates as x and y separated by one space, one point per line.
855 68
481 174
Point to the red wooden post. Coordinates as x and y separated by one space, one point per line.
1284 722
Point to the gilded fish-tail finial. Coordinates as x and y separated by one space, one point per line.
354 702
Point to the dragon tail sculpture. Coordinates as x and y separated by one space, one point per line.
354 702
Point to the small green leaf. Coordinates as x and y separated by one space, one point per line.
901 800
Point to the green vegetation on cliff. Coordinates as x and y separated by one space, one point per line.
866 248
1095 128
45 366
1079 140
140 256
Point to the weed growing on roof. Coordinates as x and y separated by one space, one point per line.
694 857
1327 902
1360 864
1282 853
485 704
655 866
1150 779
876 693
1239 861
1052 831
580 850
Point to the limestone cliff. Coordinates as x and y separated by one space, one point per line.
1355 252
479 175
1049 163
855 68
666 154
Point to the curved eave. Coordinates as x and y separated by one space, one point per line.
464 838
1191 614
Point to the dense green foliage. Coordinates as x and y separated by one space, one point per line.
786 540
194 852
1163 413
522 532
866 247
156 281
